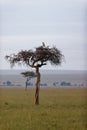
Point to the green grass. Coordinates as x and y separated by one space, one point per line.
59 109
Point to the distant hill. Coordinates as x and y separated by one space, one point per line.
48 78
43 71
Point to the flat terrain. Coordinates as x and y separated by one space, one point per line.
59 109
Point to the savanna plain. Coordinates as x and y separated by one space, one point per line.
59 109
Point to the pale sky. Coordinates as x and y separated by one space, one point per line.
25 24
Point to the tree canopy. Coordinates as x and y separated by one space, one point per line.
28 74
37 57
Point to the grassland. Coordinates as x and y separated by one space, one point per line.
59 109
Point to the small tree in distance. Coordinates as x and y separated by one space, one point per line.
28 75
36 59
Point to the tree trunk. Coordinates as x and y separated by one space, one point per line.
26 86
37 86
26 83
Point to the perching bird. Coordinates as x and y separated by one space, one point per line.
41 47
43 44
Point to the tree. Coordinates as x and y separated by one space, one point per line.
36 59
28 75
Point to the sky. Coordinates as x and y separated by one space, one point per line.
25 24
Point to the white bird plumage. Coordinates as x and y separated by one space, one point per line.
43 44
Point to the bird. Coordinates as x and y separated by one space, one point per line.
41 47
43 44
